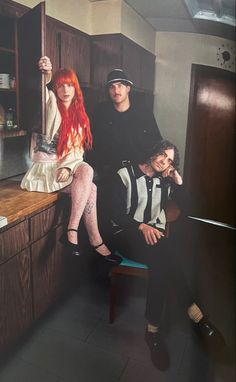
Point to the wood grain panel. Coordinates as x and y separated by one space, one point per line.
15 298
49 270
52 50
17 203
132 61
69 48
75 54
147 70
31 37
209 171
106 56
12 9
42 222
112 51
45 220
13 240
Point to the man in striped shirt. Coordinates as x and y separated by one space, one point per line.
139 196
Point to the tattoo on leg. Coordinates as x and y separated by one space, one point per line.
88 208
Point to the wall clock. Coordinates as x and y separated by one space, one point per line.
225 56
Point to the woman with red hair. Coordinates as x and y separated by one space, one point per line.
58 157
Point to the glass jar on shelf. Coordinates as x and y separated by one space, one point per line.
9 119
12 82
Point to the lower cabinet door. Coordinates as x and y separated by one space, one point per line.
49 271
15 298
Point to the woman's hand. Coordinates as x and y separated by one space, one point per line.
63 174
45 66
174 174
151 234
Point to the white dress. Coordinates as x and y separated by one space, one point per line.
41 176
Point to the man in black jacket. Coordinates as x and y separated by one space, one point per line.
122 130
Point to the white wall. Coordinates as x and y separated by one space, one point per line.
106 17
137 29
175 53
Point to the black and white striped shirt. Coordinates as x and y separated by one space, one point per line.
138 198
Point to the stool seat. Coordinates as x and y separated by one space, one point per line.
130 263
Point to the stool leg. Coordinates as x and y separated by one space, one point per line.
113 293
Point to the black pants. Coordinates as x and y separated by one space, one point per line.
164 270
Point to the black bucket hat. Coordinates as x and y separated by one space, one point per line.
118 75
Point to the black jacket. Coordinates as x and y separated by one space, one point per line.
121 136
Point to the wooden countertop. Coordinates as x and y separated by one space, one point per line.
16 203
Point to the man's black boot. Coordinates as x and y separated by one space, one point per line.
210 334
159 354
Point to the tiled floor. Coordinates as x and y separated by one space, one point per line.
75 343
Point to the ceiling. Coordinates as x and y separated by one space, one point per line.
177 15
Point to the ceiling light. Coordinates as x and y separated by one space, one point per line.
222 11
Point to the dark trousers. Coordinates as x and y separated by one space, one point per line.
164 270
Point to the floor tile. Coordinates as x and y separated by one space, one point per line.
143 370
85 298
195 365
139 372
74 360
18 370
73 321
120 338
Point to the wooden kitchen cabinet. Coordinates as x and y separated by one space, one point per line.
117 51
106 55
8 66
22 36
35 268
68 47
50 271
50 260
13 240
16 313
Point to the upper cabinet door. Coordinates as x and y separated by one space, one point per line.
68 47
31 46
75 54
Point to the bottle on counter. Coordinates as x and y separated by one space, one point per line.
2 117
9 119
12 82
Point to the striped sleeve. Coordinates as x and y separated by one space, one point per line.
119 206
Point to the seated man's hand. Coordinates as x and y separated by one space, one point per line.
63 174
151 234
174 174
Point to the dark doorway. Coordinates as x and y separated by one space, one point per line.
209 171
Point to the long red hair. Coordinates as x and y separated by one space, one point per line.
73 118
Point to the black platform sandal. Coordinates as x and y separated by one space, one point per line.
112 259
70 246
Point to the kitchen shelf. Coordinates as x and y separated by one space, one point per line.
7 90
7 50
12 133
